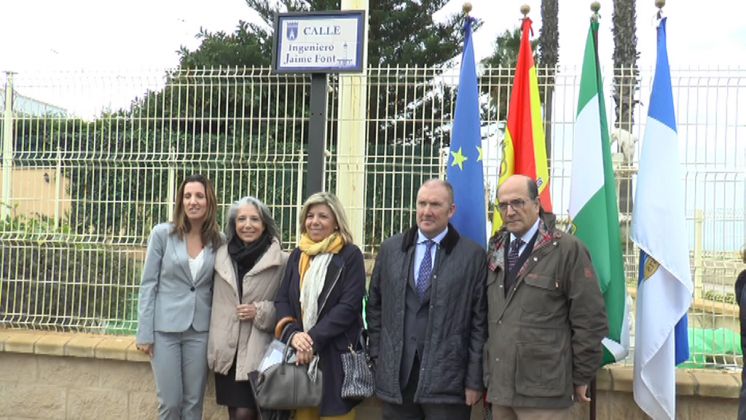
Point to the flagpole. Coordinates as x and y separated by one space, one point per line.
595 7
593 399
659 4
465 170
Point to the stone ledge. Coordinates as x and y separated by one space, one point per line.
82 346
20 341
717 384
689 382
618 378
114 347
70 344
52 344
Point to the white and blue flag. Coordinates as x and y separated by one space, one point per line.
664 291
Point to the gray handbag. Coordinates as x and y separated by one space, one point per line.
285 386
358 382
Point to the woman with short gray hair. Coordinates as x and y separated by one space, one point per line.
248 270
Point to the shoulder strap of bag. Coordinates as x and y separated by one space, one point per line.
361 341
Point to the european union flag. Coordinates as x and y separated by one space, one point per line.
464 170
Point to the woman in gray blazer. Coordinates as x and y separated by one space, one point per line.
175 298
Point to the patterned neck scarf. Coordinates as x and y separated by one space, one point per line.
314 262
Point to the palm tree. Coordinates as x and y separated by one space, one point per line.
625 83
548 58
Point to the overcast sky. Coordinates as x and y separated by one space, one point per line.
89 35
77 34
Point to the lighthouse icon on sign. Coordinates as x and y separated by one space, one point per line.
292 31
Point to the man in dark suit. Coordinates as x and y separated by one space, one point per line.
427 315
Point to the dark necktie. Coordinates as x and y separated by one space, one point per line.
426 269
513 249
515 246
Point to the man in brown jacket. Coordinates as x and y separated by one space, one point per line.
546 312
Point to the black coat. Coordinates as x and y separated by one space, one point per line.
456 331
741 301
339 321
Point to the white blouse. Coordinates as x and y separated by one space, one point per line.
195 264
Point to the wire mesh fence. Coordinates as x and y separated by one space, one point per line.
92 161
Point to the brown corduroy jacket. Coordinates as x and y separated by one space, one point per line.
545 335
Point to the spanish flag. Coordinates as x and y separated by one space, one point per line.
524 150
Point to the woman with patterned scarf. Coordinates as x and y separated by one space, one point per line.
322 297
248 270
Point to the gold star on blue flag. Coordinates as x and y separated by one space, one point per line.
464 169
459 159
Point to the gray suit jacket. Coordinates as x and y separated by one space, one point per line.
169 299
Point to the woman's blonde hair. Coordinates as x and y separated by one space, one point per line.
210 230
333 203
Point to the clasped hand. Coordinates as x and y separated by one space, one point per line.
246 311
303 345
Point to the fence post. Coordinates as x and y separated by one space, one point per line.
299 198
699 218
57 189
351 145
5 206
171 182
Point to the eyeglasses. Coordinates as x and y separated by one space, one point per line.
516 204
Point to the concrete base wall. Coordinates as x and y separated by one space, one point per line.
77 376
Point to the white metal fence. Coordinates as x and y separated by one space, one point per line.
85 190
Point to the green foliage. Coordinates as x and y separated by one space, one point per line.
41 227
507 46
118 167
248 45
218 117
386 176
51 281
401 33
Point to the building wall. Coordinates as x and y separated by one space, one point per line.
33 192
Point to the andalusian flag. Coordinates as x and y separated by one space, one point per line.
593 200
524 150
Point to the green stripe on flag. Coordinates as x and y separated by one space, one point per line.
593 200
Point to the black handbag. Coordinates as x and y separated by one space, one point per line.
285 386
358 382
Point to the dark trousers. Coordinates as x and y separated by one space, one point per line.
409 410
